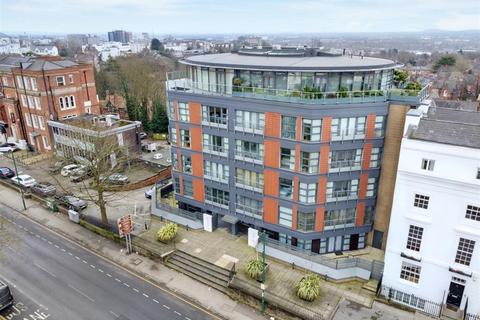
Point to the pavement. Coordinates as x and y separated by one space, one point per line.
51 278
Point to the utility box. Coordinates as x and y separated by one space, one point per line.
151 147
74 216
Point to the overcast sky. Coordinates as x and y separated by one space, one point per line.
237 16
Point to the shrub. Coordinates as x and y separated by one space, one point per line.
254 268
168 232
308 288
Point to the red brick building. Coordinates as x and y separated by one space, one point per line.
35 90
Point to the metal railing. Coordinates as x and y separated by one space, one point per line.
296 95
180 212
246 156
345 165
423 305
215 121
249 185
341 223
342 195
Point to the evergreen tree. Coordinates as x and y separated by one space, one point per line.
159 123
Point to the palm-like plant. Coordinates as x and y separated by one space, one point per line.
168 232
308 288
254 268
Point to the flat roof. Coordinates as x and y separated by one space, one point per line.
276 63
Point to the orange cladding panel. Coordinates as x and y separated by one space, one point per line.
362 188
297 157
198 190
326 128
270 210
324 156
294 217
370 126
197 165
195 110
367 151
272 124
180 178
322 189
360 213
272 153
175 109
319 219
295 188
298 130
270 178
179 162
196 138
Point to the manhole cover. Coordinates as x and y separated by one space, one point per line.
136 261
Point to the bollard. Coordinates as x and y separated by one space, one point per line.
293 265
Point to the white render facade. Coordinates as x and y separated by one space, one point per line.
433 246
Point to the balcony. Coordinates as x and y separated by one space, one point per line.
249 156
344 165
342 195
178 82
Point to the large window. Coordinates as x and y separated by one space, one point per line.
340 218
287 158
249 121
215 144
414 240
342 190
464 251
173 135
285 217
248 149
305 221
311 130
286 188
310 162
428 164
473 213
379 126
186 164
371 184
307 192
216 171
215 115
176 185
249 178
183 112
185 138
421 201
348 128
250 207
171 110
345 160
289 125
175 161
187 188
375 157
410 272
217 197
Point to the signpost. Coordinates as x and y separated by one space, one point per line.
125 228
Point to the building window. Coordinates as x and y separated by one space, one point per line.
287 158
62 105
285 217
410 272
215 144
216 196
185 138
305 221
465 251
216 115
345 160
249 121
175 161
70 78
289 125
45 143
286 188
478 173
421 201
307 192
60 81
28 119
177 185
72 101
342 190
249 207
27 83
310 162
428 164
216 171
473 213
35 121
5 81
34 84
379 127
36 101
183 112
348 128
340 218
187 188
19 82
24 101
414 240
375 157
248 149
173 136
311 130
369 215
186 164
372 182
171 110
249 178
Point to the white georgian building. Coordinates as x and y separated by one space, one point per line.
433 246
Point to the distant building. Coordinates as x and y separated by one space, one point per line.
432 258
76 40
120 36
45 50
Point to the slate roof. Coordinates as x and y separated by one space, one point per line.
34 64
458 105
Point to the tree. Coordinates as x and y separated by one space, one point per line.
400 77
159 122
156 45
63 52
143 116
414 85
446 60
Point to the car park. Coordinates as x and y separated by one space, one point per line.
72 202
79 176
6 173
56 167
6 298
68 169
24 180
44 189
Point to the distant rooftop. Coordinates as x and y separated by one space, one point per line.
449 126
275 62
458 105
96 122
34 63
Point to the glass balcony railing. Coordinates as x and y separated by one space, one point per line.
310 96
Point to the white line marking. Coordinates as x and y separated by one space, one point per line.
45 270
126 285
63 250
100 270
187 318
56 246
49 242
76 257
166 307
114 314
93 267
37 236
145 295
70 253
80 292
155 300
109 275
136 290
177 313
84 261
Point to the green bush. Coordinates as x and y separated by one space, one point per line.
168 232
254 268
308 288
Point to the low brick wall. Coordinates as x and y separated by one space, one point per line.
162 175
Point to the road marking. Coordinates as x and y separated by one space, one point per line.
166 307
63 250
155 300
49 242
76 257
70 253
45 270
100 270
177 313
109 275
118 280
38 236
93 267
126 285
136 290
187 318
114 314
56 246
84 261
145 295
80 292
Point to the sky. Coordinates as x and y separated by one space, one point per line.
237 16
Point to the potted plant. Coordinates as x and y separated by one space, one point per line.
254 268
308 288
167 233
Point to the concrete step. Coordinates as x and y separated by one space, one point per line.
201 268
371 285
203 263
197 275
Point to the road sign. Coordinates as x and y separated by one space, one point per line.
125 225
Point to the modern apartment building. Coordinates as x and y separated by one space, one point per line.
35 90
432 257
120 36
289 142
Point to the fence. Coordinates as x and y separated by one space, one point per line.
469 316
423 305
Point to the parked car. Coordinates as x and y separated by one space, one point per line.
68 169
158 156
149 193
8 147
6 298
79 175
24 180
6 173
143 135
56 167
115 178
72 202
44 189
